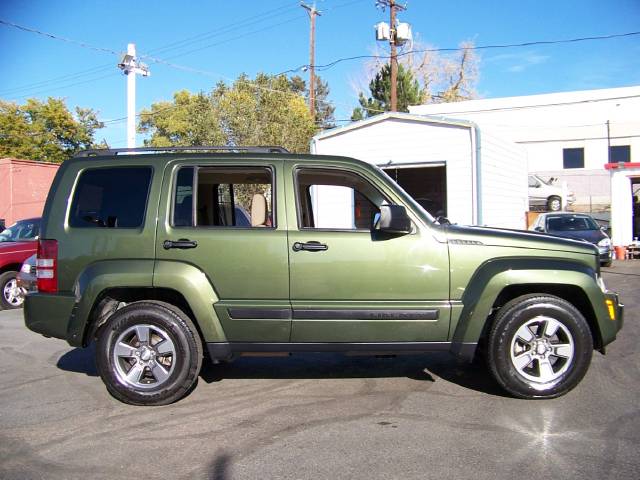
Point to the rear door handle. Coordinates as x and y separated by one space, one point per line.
182 244
311 246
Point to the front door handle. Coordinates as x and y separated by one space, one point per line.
182 244
311 246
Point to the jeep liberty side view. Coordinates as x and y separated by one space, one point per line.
166 256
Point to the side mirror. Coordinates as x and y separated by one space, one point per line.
392 219
539 229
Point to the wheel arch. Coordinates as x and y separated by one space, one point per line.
498 281
175 283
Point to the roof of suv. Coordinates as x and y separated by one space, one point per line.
164 154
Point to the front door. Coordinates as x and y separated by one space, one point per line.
348 282
228 220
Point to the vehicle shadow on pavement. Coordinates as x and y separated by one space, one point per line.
79 360
430 368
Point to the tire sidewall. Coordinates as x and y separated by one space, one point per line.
509 324
5 278
185 359
550 203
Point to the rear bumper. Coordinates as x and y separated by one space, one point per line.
48 314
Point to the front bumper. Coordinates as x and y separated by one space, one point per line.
614 320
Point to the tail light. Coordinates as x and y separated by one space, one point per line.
47 266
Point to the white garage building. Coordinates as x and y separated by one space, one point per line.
572 136
450 167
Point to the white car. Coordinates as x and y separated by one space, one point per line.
545 193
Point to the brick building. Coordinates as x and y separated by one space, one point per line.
24 185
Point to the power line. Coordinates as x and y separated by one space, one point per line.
477 47
167 47
57 37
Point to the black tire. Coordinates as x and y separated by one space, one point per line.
507 348
7 299
554 203
179 368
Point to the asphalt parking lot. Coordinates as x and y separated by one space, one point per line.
320 416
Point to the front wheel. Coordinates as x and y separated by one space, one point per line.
540 346
554 204
11 296
149 353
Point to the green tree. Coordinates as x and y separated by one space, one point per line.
324 111
189 120
409 92
266 110
45 131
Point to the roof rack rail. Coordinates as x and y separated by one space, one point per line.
124 151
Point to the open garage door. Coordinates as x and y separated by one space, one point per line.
427 184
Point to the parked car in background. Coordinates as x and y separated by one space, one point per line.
577 226
544 193
26 278
17 243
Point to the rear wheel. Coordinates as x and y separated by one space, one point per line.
540 346
149 353
11 296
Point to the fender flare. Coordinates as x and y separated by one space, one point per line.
97 278
194 285
493 276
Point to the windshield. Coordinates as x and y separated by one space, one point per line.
20 231
568 223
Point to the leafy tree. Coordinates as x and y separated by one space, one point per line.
266 110
323 109
189 120
409 92
45 131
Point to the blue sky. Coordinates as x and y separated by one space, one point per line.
272 36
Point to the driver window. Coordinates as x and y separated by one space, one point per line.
337 200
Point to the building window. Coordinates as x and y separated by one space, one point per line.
620 153
573 158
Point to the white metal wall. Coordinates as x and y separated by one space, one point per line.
503 176
400 141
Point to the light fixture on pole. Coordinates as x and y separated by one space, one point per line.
131 67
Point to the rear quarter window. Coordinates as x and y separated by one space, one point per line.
110 198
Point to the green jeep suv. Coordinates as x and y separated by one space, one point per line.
165 257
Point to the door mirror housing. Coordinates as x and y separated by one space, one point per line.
392 219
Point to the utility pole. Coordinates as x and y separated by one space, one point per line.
130 66
394 56
311 10
394 41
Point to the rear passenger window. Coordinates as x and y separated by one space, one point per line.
111 198
223 197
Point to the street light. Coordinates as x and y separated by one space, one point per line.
131 67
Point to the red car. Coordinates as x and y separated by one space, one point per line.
17 243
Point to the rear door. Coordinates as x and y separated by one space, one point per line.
349 283
227 218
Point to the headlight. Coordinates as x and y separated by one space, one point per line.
26 268
605 242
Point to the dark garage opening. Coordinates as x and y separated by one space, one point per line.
427 184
